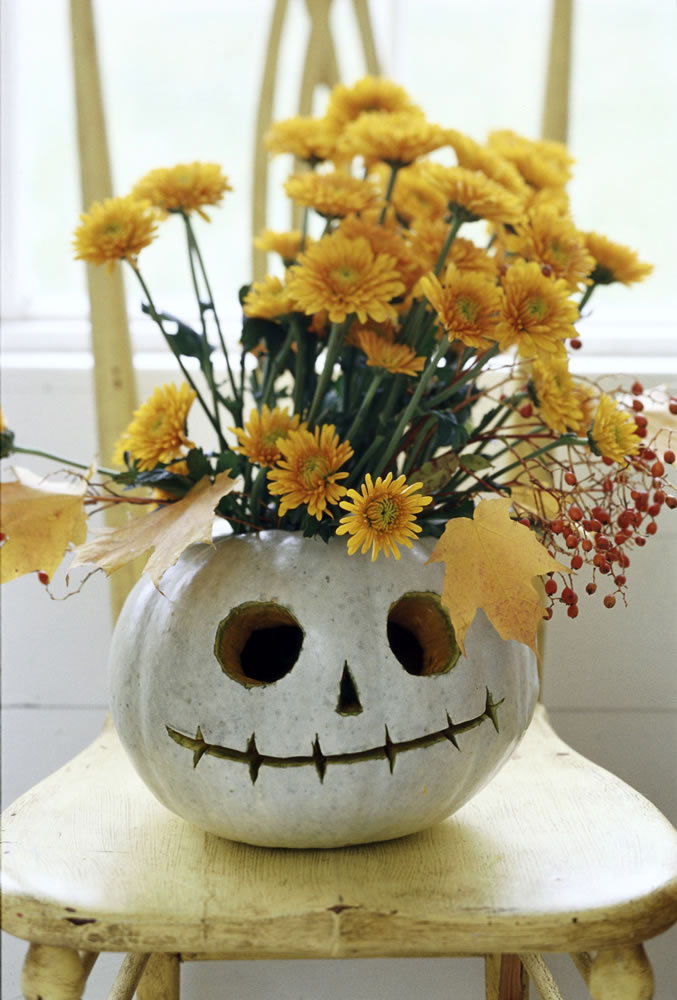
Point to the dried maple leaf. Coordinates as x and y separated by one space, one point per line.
167 531
490 563
40 518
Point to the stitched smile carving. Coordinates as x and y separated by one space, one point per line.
319 760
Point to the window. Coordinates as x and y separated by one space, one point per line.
181 82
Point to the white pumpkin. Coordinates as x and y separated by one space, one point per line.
280 692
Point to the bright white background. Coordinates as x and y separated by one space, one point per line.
181 83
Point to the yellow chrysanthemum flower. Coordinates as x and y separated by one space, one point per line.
396 138
268 299
260 437
474 194
537 314
157 433
345 276
473 156
541 162
559 403
187 188
308 472
382 516
468 305
552 240
287 244
613 432
386 238
382 352
332 195
114 229
311 139
415 198
371 93
614 262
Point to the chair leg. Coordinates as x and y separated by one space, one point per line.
621 974
161 980
505 978
52 973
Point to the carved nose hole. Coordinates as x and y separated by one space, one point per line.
348 700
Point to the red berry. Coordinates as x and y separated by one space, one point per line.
575 343
550 587
671 502
547 614
575 512
640 431
43 578
557 526
647 454
590 588
609 601
526 410
546 270
3 536
572 611
669 456
637 405
525 521
569 596
673 406
619 580
570 478
637 388
654 510
651 528
657 469
586 544
640 541
576 562
572 541
640 421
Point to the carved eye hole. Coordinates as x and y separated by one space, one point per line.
421 635
258 643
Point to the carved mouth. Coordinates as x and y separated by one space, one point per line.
319 760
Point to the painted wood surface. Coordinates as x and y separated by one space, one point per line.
554 855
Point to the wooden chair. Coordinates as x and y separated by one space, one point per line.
554 855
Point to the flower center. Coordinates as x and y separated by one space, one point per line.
344 274
383 513
468 309
536 307
312 470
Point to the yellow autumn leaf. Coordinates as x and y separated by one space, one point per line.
167 531
39 517
490 563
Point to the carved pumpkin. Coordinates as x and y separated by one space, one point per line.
281 692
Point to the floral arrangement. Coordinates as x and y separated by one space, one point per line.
407 362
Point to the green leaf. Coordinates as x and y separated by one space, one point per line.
436 473
451 433
254 330
198 465
230 461
474 462
185 342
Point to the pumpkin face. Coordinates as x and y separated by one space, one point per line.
280 692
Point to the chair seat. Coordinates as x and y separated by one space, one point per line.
556 854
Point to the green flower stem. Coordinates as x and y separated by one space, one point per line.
394 167
274 369
368 455
207 367
17 450
418 444
300 370
412 406
257 491
365 404
456 223
196 250
465 376
586 295
154 315
336 337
